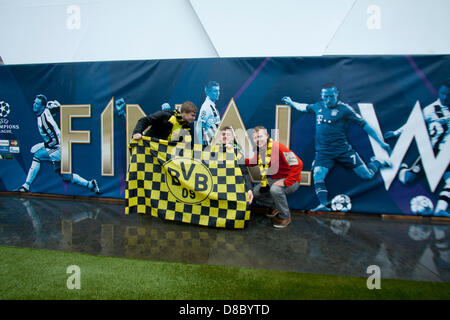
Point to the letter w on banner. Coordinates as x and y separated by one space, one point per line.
171 181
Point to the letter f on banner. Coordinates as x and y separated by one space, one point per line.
415 128
69 136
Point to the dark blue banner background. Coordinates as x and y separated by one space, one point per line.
393 84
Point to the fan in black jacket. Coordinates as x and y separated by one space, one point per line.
167 125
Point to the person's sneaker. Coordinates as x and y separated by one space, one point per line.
383 163
272 214
281 223
321 207
95 188
22 189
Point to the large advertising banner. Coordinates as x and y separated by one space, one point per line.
371 131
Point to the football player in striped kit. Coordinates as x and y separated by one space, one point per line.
208 119
437 119
49 150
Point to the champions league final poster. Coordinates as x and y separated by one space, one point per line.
65 128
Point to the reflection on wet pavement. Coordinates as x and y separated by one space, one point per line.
312 244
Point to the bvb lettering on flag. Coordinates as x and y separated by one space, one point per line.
172 181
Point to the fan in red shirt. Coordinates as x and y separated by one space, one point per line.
280 175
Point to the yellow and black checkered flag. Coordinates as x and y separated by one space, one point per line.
172 181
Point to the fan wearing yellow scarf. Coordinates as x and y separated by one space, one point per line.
167 125
280 170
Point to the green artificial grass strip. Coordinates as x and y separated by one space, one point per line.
41 274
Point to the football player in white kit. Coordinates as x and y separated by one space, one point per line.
49 150
437 119
208 119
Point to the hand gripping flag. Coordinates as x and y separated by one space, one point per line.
172 181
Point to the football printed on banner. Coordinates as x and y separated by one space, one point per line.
341 202
5 125
4 109
421 205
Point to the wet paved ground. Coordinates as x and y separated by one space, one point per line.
312 243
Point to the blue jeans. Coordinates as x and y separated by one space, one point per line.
276 197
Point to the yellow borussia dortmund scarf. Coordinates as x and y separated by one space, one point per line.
178 125
238 156
264 166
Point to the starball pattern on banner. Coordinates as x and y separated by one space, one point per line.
175 182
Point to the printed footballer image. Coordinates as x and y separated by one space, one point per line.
331 141
332 145
208 117
437 121
50 149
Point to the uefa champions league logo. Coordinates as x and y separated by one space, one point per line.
4 109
